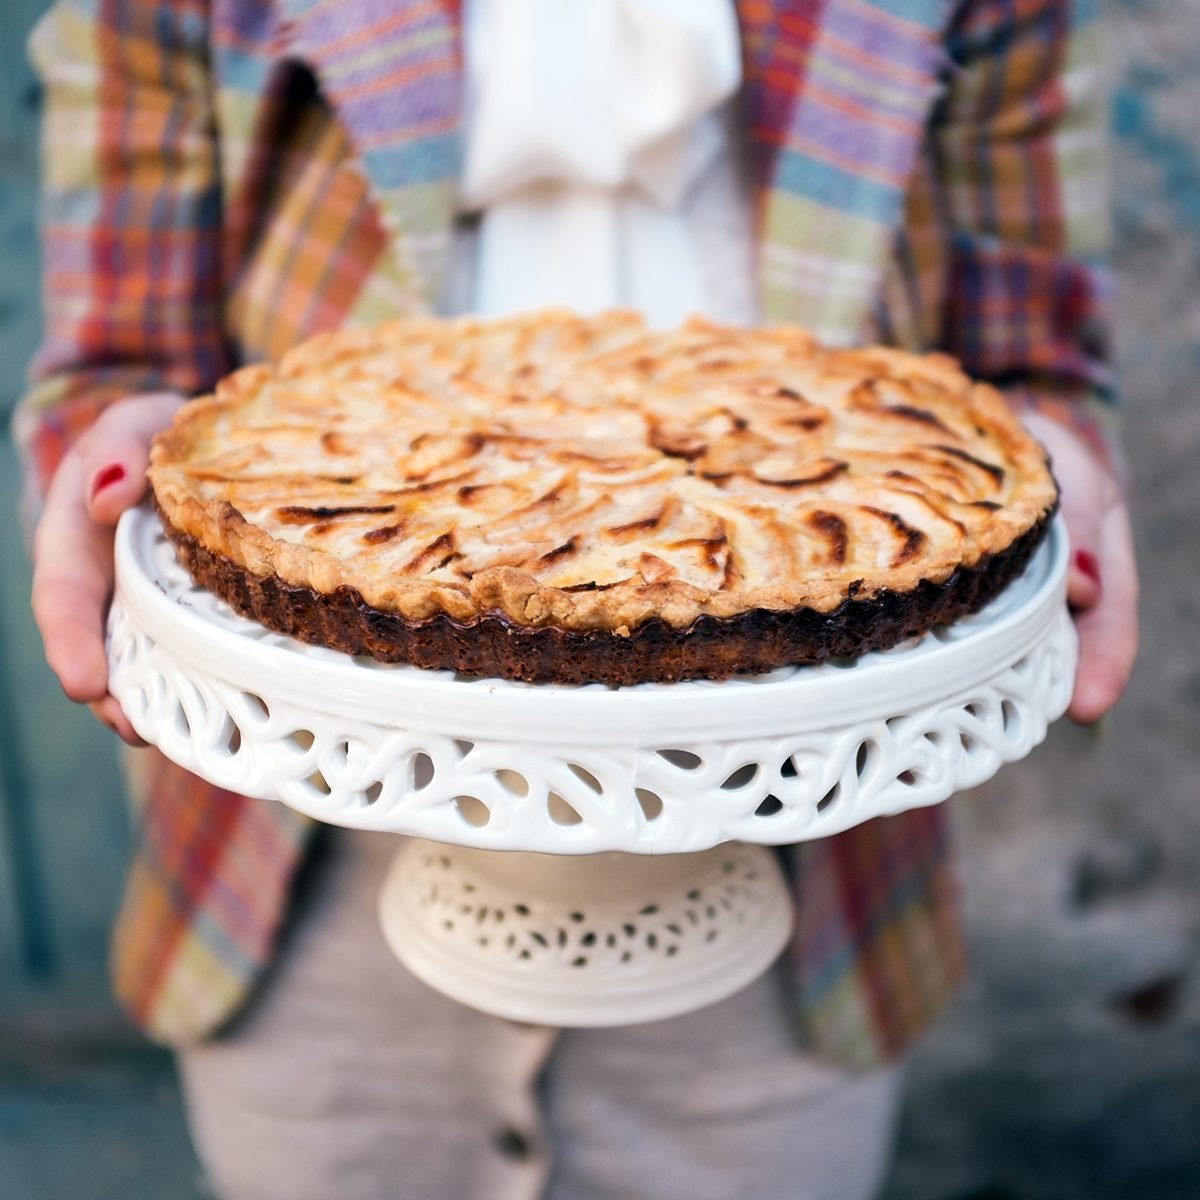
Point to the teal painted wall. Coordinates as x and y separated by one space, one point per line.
57 766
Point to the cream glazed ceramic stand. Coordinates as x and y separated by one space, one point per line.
584 855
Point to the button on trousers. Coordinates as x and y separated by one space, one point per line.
349 1078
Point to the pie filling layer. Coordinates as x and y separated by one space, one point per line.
559 498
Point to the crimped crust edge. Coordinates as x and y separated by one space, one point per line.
492 645
518 594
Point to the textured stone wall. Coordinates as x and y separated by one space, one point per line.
1071 1067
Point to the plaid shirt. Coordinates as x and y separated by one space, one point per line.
226 177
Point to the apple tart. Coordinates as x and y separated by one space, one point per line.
558 498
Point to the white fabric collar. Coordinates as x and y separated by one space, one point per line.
588 123
600 92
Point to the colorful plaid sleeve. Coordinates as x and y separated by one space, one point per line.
130 215
1020 140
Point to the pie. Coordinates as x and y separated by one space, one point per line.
556 498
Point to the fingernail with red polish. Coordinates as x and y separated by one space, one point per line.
106 478
1086 562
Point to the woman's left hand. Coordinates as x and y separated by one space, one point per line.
1102 587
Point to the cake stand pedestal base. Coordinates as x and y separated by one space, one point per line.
599 939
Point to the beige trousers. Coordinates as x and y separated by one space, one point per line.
349 1079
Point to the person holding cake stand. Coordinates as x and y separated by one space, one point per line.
226 177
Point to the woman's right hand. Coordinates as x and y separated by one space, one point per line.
100 477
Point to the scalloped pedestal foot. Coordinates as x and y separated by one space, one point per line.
602 939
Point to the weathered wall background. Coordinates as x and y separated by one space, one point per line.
1070 1069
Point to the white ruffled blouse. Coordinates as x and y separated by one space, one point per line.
600 160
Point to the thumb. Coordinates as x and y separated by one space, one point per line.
116 452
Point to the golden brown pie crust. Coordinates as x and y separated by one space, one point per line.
558 498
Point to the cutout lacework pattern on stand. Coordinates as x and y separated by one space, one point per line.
577 797
517 930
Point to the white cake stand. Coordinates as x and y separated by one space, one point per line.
634 884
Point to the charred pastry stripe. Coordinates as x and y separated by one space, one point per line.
317 475
421 489
833 529
593 587
443 542
472 442
654 569
710 546
730 573
334 442
922 494
283 476
674 446
714 542
997 473
917 414
592 460
550 497
564 551
729 568
294 514
516 440
385 533
470 491
864 396
689 453
914 539
211 475
929 496
830 472
634 526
